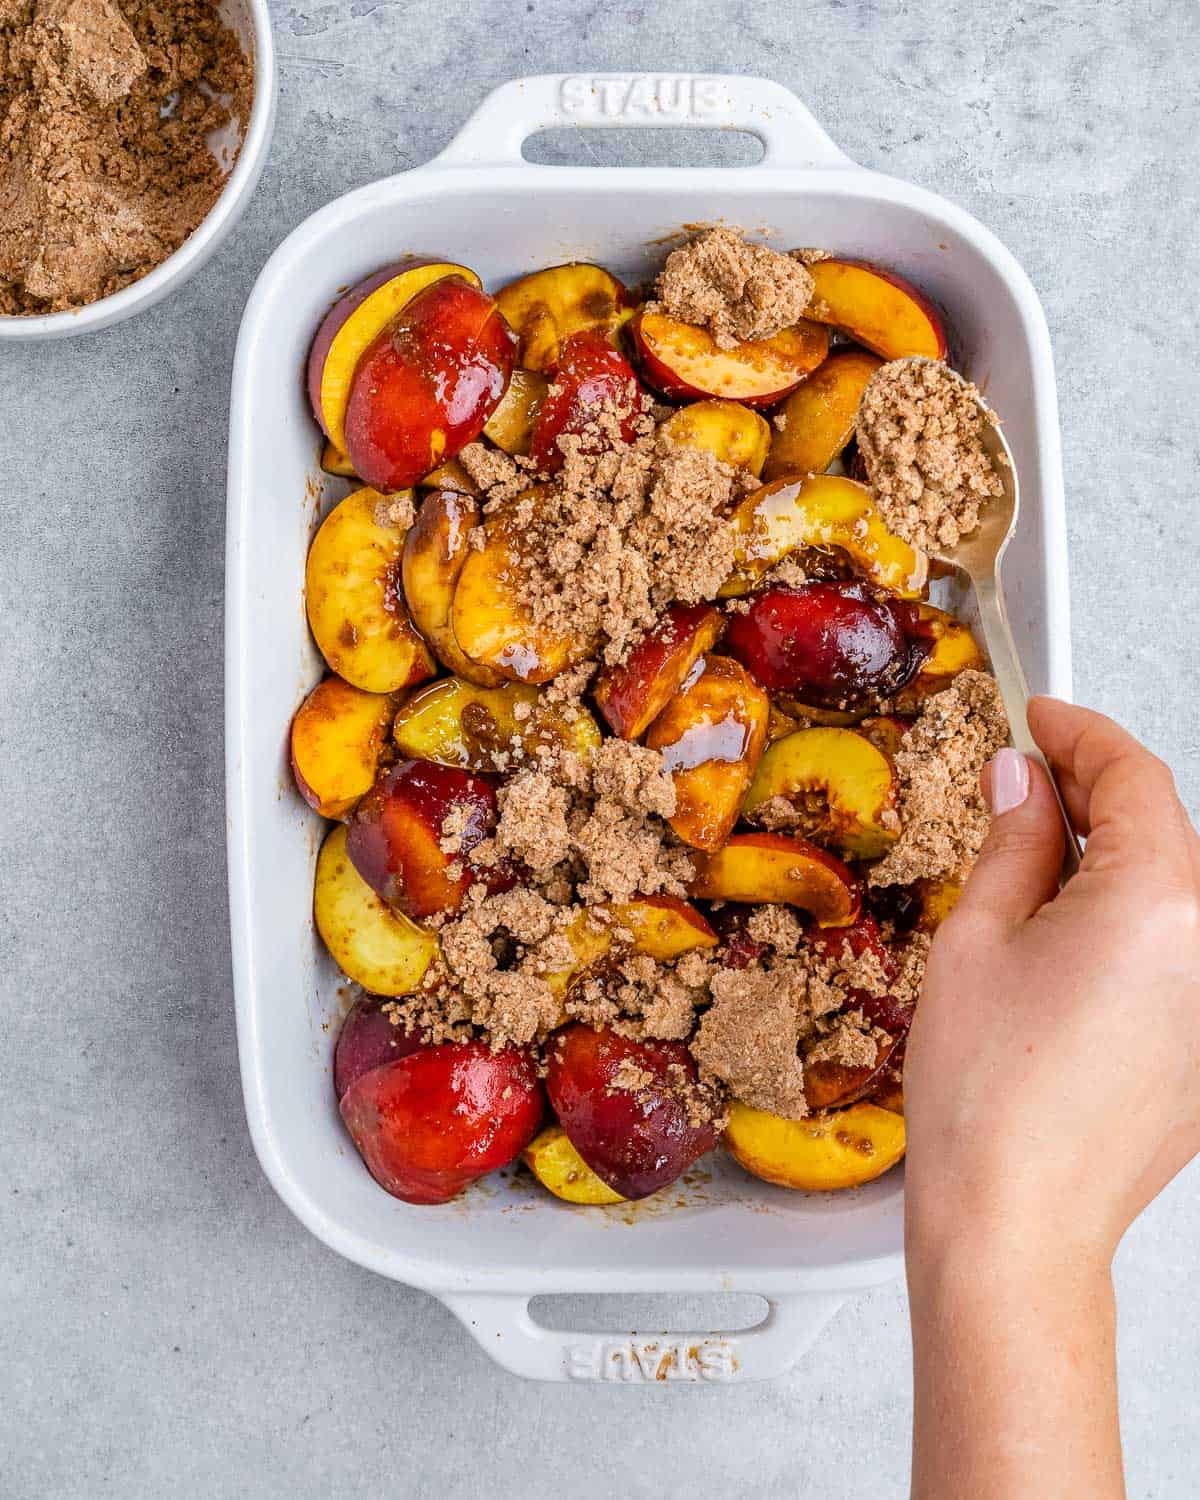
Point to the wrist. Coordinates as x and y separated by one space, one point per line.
992 1254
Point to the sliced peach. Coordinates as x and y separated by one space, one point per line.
591 377
547 306
334 461
841 1149
427 383
354 322
711 735
777 868
830 1085
729 430
511 424
590 939
377 947
826 511
435 550
779 724
337 738
876 308
633 693
459 724
837 645
885 731
952 649
431 1123
355 601
816 421
397 837
560 1169
449 476
685 362
888 1093
938 900
494 627
664 927
841 787
637 1136
369 1039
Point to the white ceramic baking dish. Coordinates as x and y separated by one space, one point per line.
482 203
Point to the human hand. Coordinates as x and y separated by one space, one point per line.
1053 1072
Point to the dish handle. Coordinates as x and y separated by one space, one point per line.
494 134
502 1325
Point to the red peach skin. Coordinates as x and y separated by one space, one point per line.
368 1039
635 1140
433 1122
426 385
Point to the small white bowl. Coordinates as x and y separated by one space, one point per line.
250 19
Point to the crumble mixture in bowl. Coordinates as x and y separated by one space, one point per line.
122 123
650 767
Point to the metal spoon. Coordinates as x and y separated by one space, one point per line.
979 556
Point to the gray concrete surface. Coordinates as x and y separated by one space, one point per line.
166 1327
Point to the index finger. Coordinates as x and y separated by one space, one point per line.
1131 809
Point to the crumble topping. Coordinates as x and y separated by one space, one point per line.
943 817
920 435
738 291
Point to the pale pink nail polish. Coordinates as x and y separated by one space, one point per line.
1008 781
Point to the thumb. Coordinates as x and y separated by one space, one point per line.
1018 867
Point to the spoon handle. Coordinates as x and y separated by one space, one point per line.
1006 668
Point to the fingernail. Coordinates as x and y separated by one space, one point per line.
1007 781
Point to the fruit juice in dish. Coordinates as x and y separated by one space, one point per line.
655 777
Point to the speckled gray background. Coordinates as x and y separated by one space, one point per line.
166 1327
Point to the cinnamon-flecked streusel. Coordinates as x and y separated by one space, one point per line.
735 289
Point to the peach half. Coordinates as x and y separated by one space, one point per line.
375 946
435 550
352 323
685 362
876 308
816 421
561 1170
355 602
824 511
337 738
840 786
822 1153
728 430
548 306
497 729
780 869
711 736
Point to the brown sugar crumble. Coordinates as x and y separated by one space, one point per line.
735 289
920 435
107 108
943 817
